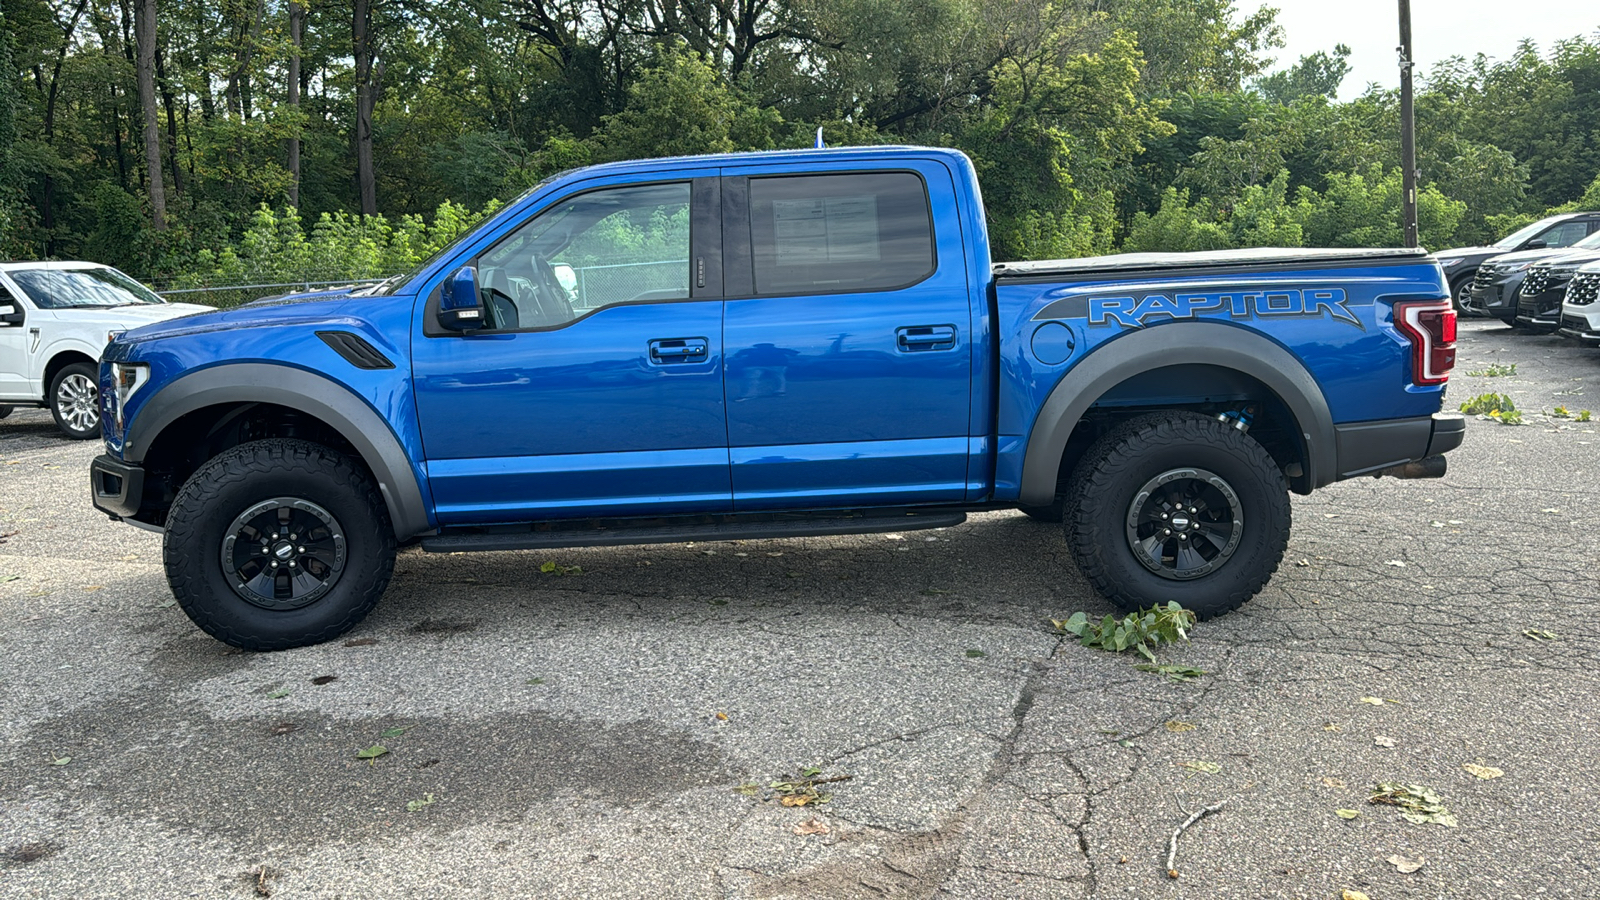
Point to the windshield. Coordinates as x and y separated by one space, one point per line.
1592 242
82 288
1515 238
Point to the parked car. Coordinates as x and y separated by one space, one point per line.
1539 298
55 319
1580 308
1494 289
827 350
1461 264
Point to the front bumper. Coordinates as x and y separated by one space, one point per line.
1541 310
1366 448
1496 297
1583 326
116 487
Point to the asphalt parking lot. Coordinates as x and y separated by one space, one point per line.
587 734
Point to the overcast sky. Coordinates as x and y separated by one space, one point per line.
1439 29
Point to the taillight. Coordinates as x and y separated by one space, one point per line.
1430 326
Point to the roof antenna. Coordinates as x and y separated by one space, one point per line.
820 144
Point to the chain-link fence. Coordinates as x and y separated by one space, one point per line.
595 286
602 285
228 296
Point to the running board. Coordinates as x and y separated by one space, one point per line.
735 530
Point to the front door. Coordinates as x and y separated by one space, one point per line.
16 350
596 390
849 359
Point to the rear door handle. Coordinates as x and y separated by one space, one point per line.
918 338
670 351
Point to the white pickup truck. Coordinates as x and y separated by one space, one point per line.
55 318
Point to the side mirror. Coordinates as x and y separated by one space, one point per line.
1535 244
10 314
460 309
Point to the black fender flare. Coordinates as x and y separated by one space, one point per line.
1179 343
301 390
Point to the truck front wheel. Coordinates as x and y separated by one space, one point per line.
1178 506
277 544
75 401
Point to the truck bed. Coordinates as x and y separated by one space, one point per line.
1253 258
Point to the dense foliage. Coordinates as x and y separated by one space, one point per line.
315 139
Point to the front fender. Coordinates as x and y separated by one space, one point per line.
1180 343
311 393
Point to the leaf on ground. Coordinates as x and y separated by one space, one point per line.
1331 727
414 805
1405 865
1201 765
748 789
1346 813
6 578
1484 772
1375 701
393 732
536 680
1418 803
1397 563
796 799
974 653
1332 782
1353 895
1382 741
812 826
324 679
278 694
167 604
60 760
1181 726
372 753
1539 634
721 716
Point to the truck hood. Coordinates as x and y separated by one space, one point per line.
320 306
1573 260
130 316
1540 255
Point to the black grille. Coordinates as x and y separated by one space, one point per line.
1484 277
1536 282
1584 289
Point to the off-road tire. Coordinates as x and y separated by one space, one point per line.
205 511
85 378
1121 463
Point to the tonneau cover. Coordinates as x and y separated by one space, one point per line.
1255 256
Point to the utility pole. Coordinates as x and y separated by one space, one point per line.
1408 132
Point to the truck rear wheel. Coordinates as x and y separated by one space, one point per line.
277 544
1178 506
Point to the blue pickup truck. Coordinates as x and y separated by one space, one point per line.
766 345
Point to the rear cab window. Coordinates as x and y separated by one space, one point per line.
840 233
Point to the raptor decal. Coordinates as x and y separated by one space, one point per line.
1132 312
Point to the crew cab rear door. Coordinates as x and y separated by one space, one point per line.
596 390
848 337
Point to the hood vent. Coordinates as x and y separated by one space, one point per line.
356 351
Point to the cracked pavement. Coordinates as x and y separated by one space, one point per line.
587 735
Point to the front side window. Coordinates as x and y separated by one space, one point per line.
839 233
82 288
587 252
1565 235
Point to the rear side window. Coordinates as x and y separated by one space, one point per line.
824 234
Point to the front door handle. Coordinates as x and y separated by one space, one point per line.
918 338
670 351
